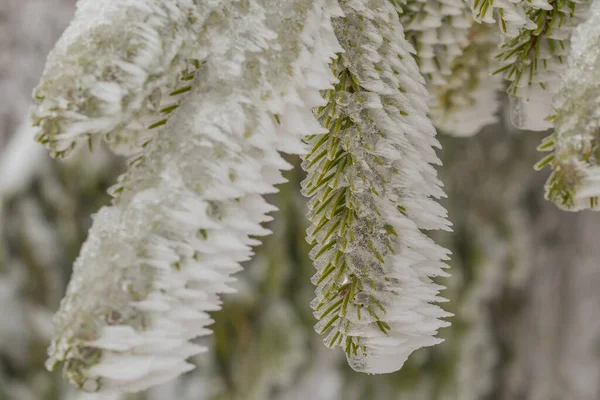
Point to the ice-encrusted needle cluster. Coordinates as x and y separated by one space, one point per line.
533 53
188 208
438 31
108 72
371 184
574 146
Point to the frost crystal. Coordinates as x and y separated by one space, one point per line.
370 181
156 261
575 145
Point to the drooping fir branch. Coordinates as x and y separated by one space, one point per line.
370 181
110 69
155 263
469 100
574 147
438 31
533 59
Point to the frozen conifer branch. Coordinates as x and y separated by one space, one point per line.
533 58
574 147
470 98
438 31
156 261
370 181
110 69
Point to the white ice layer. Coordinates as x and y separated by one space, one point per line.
155 263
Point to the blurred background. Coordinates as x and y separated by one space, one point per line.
524 287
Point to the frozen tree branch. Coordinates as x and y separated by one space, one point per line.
574 146
155 262
533 52
371 181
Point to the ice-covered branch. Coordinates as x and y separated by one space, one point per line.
188 210
371 184
533 54
574 147
111 67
